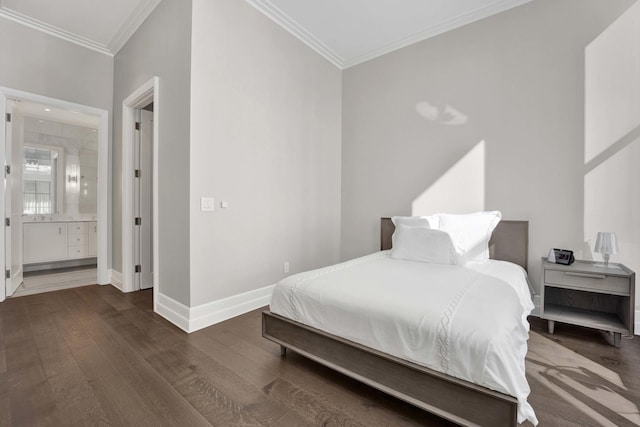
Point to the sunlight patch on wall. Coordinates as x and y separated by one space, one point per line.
447 115
461 189
612 203
612 138
612 84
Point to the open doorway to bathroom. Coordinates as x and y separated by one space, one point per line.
55 202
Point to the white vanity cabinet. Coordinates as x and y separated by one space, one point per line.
92 235
45 242
59 241
78 240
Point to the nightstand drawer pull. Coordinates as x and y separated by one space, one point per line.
592 276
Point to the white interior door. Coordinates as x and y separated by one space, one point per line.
13 203
142 195
146 194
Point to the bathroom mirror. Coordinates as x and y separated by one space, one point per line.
59 167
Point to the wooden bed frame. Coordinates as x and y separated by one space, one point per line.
451 398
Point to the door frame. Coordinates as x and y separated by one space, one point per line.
104 170
141 97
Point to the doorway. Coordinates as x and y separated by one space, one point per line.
53 152
140 141
142 197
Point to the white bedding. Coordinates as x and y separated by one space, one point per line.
466 321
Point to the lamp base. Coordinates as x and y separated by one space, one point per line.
606 265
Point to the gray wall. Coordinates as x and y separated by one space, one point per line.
612 139
513 129
35 62
161 47
265 136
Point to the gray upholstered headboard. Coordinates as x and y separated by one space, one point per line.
509 241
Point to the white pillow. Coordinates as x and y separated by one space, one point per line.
423 245
413 221
470 233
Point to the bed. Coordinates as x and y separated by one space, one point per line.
443 392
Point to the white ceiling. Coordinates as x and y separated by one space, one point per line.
55 114
346 32
102 25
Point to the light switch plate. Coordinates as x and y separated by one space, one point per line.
207 204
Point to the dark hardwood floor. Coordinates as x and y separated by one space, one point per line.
95 356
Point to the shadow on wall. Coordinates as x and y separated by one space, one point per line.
612 138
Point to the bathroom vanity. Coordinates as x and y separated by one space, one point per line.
59 240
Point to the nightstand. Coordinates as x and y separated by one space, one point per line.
586 293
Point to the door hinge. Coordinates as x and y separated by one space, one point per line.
8 117
137 173
7 169
138 268
7 222
7 274
137 125
138 221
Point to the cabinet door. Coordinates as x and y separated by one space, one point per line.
45 242
93 239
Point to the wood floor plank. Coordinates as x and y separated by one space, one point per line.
95 356
162 399
342 392
75 399
5 407
31 400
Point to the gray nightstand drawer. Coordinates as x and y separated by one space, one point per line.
588 281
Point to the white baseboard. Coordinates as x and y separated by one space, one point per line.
174 311
116 279
195 318
221 310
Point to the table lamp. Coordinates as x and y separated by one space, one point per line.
607 245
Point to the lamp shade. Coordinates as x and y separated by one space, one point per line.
606 243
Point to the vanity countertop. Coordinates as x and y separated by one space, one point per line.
28 219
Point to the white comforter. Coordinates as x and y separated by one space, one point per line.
466 321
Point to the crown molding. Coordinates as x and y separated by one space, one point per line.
131 25
281 18
286 22
128 28
52 31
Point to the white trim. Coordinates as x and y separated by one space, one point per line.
104 169
289 24
116 279
148 92
131 25
636 330
175 312
120 38
202 316
218 311
53 31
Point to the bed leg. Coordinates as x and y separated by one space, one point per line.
616 339
551 325
283 351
